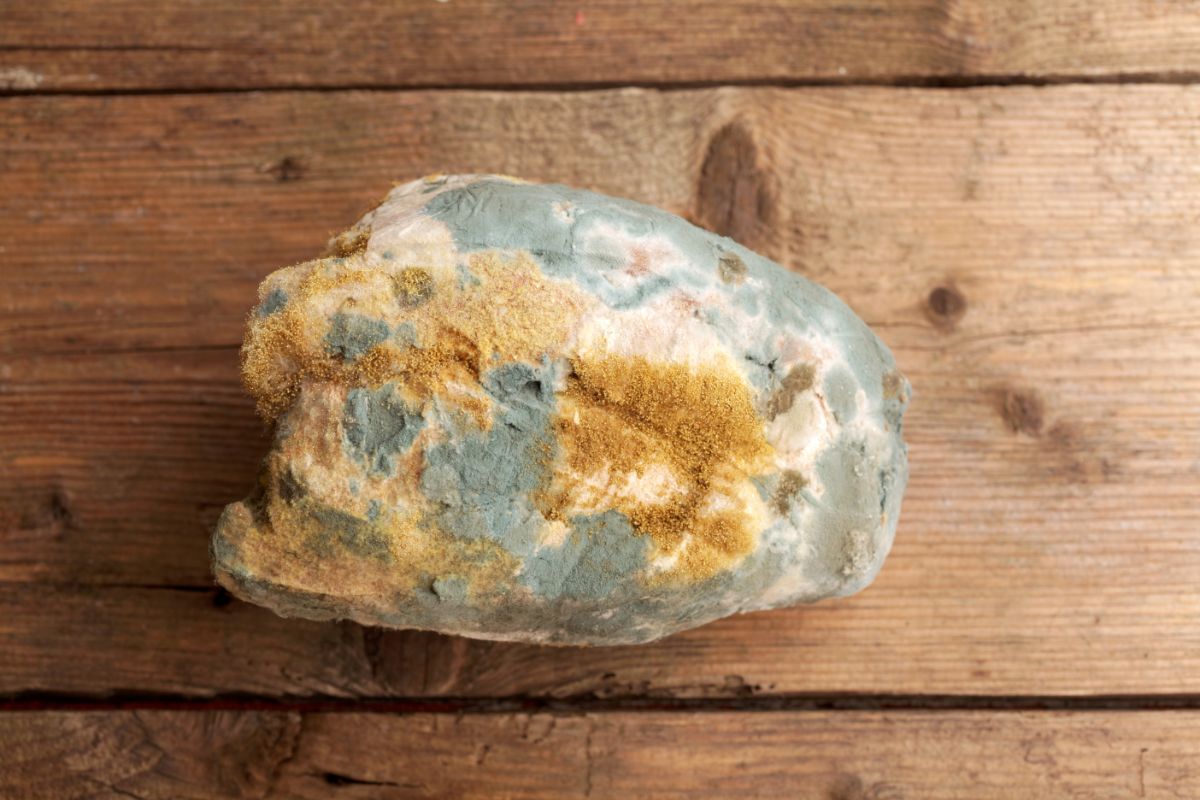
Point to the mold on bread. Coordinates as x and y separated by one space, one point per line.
527 412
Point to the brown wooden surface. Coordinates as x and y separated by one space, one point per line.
1032 255
820 755
78 45
1029 254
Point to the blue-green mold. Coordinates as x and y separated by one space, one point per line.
450 589
337 528
466 278
840 388
830 515
406 334
482 480
377 425
505 216
350 335
600 554
275 300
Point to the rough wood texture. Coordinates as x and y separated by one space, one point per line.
1030 254
825 756
73 45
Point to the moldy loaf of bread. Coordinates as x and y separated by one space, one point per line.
518 411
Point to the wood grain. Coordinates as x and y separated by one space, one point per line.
178 44
1032 256
830 756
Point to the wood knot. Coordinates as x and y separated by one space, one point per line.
1072 455
736 196
1023 411
847 786
287 169
51 517
945 306
58 509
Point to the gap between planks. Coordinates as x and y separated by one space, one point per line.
1173 78
591 704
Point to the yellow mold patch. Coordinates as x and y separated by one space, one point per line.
285 550
510 311
626 416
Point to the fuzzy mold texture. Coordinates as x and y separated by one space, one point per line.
526 412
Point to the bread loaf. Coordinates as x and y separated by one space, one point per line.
518 411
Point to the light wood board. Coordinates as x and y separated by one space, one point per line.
73 45
1031 255
819 755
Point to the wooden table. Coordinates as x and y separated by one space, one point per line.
1009 192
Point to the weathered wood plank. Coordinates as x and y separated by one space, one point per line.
175 44
1031 255
157 754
